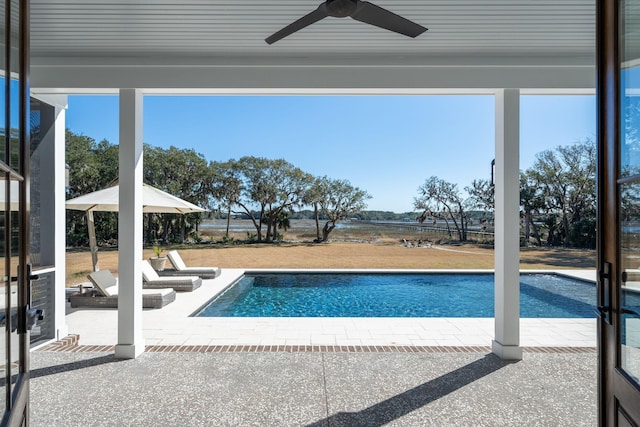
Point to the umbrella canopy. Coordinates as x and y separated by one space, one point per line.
153 201
107 200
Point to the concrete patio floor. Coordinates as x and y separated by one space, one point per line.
314 372
313 389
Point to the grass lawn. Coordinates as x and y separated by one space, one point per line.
384 254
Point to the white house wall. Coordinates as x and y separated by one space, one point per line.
53 247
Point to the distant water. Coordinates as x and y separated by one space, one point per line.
243 225
222 225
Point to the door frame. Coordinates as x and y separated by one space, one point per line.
16 412
618 394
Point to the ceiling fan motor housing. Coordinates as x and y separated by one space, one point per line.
341 8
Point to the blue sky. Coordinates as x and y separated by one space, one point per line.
386 145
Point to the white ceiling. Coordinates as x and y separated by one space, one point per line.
220 44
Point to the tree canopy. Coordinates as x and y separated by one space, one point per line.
267 191
441 199
337 200
557 195
92 166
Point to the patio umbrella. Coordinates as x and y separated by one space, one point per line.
153 201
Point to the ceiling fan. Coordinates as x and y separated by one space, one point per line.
359 10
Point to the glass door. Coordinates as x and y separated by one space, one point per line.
14 213
618 91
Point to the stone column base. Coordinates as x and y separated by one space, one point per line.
129 351
506 352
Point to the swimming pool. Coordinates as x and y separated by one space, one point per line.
397 295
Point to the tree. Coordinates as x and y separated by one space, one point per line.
566 180
269 188
482 197
439 197
337 200
226 187
532 202
312 197
281 222
92 167
184 174
87 162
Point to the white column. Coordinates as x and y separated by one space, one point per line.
59 227
506 344
130 340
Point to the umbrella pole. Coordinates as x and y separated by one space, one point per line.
93 245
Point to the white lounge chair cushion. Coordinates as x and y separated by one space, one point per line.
105 282
113 291
108 284
176 260
178 264
148 273
177 279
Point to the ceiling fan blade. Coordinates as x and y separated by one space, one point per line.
305 21
369 13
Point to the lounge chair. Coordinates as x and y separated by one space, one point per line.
105 293
180 268
178 283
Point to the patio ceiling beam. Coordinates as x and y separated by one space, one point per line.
108 78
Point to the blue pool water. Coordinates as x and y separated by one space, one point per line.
397 295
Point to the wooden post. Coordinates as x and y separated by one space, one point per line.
93 245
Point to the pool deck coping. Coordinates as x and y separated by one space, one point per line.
173 326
